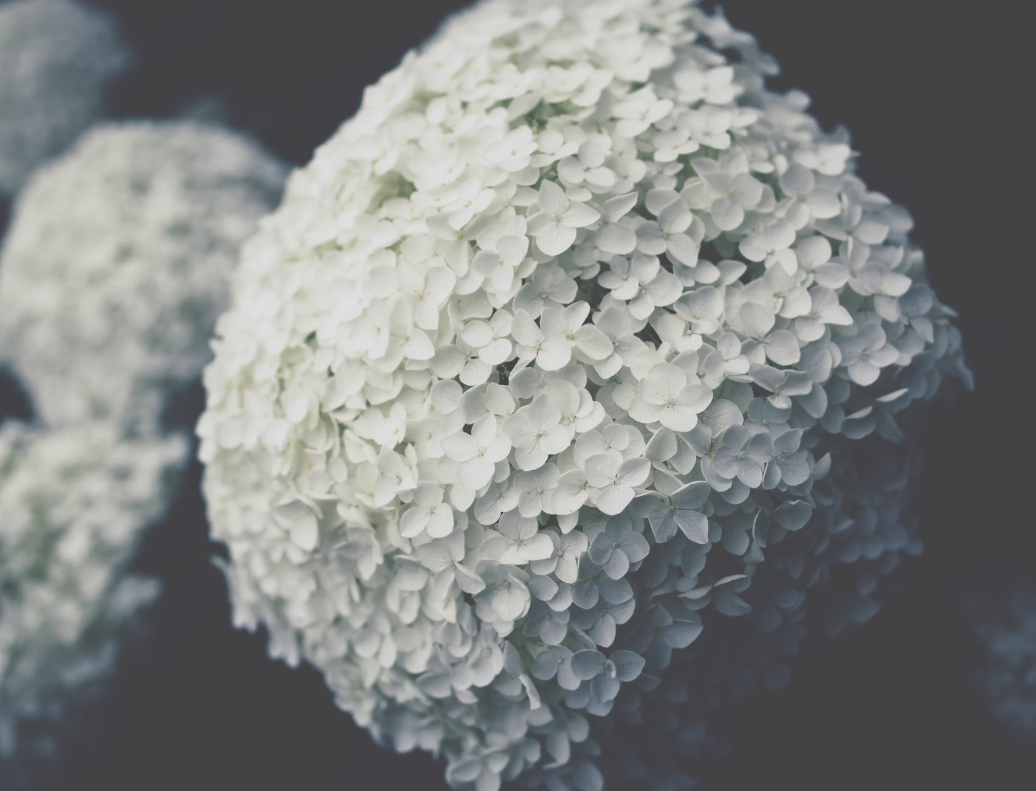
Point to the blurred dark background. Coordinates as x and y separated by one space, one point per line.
933 95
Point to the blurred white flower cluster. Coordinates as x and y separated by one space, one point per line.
545 356
113 272
56 58
1006 626
116 266
73 504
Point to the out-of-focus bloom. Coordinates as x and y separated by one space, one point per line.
116 266
541 363
56 58
1006 626
74 503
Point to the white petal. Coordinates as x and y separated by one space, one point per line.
864 373
570 493
633 472
555 354
677 417
726 214
694 525
539 547
793 515
642 411
556 239
552 198
468 581
684 249
419 346
579 215
593 343
476 472
692 496
440 524
782 348
616 239
459 446
510 602
796 180
304 532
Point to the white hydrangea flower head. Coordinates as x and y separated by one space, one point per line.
116 265
56 59
1006 627
74 503
537 364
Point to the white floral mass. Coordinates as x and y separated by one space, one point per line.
74 504
116 266
541 361
56 59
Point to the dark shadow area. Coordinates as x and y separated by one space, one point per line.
291 72
184 407
14 401
888 708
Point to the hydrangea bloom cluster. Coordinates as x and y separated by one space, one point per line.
73 504
56 57
116 265
1006 627
544 355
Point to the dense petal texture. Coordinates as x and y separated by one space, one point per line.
673 313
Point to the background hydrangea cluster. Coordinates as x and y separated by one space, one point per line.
541 359
74 504
117 262
112 274
56 59
1006 628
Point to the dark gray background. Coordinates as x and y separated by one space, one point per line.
934 95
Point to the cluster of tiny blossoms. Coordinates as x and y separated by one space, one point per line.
1006 626
73 504
540 356
116 266
56 58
